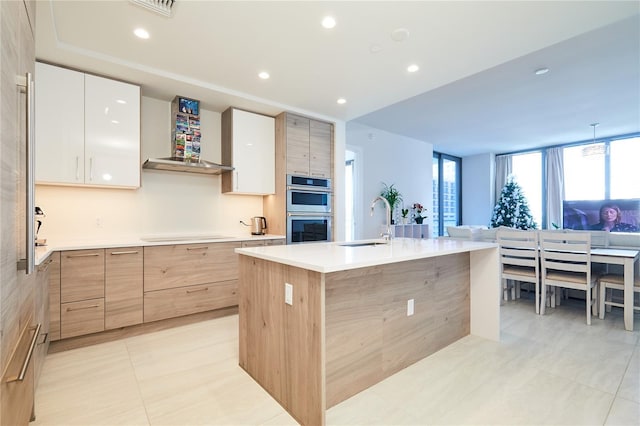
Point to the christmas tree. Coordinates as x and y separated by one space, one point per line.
512 209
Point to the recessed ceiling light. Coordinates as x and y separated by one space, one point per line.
413 68
400 34
342 101
121 101
375 48
541 71
328 22
264 75
141 33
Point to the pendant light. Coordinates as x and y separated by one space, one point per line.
593 149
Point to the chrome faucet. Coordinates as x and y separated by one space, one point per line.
385 235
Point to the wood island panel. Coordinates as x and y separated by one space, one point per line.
346 330
285 352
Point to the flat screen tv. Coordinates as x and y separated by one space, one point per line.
586 214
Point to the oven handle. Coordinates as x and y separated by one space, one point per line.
309 214
309 189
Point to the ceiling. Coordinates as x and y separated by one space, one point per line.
475 91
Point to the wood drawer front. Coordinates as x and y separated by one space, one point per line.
81 275
123 287
54 297
176 302
17 396
189 264
78 318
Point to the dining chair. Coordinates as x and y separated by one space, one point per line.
519 261
566 263
611 282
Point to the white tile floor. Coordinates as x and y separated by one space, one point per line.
545 370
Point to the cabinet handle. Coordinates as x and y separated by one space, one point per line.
46 336
198 290
115 253
82 308
83 255
236 181
28 264
91 168
77 168
27 360
198 248
45 266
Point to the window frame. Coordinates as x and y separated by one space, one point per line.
441 157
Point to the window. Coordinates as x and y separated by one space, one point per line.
584 177
446 192
527 170
625 176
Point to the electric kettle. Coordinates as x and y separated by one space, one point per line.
258 225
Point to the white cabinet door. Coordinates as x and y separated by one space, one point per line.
59 125
112 132
252 153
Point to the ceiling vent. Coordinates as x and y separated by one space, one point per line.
163 7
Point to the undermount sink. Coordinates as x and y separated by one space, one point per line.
363 244
183 238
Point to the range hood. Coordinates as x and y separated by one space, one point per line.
175 164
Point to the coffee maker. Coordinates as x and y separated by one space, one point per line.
39 215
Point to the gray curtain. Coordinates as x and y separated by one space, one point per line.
503 170
555 186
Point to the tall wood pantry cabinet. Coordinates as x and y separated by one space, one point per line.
17 288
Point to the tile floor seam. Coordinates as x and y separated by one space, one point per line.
135 376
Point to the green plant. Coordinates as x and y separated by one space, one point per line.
391 194
405 213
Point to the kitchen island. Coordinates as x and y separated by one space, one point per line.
321 322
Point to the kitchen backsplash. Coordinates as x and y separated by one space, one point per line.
166 203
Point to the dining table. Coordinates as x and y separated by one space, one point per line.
627 258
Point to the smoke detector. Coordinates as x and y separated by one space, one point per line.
162 7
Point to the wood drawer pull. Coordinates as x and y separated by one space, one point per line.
83 255
27 360
84 307
198 290
198 248
44 340
115 253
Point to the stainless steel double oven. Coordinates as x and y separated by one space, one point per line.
308 209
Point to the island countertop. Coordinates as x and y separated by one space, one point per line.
342 256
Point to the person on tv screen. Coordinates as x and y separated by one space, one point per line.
611 220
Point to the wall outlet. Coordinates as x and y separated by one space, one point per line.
409 307
288 294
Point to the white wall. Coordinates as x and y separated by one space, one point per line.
166 203
477 189
386 157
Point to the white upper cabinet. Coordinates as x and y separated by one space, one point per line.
112 132
87 129
59 125
248 144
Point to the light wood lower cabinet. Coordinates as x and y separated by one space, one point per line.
83 317
182 265
176 302
42 314
123 287
101 289
81 275
54 297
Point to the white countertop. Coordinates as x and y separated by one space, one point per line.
334 256
152 240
